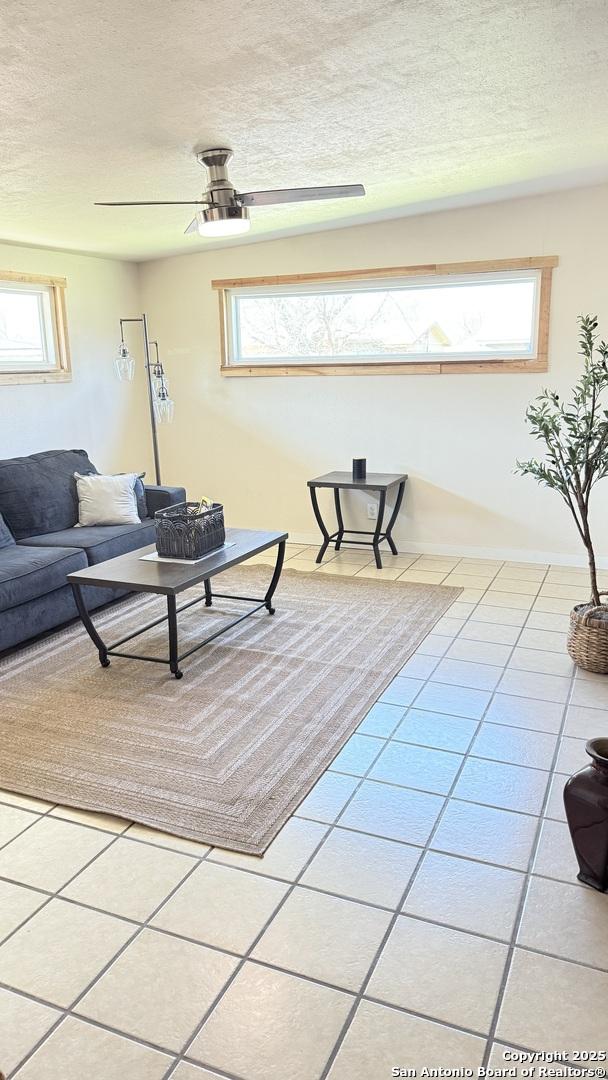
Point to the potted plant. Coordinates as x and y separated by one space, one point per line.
575 435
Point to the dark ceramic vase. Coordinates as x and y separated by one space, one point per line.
586 802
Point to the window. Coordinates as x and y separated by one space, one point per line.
454 317
33 336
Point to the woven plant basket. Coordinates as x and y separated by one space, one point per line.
588 637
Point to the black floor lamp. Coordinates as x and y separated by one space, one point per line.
161 405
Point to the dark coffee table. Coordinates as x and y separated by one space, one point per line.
134 574
381 482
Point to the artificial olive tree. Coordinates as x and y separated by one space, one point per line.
575 435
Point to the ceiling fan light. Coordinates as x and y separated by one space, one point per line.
223 221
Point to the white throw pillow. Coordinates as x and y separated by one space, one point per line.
107 500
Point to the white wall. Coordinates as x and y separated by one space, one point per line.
94 410
253 443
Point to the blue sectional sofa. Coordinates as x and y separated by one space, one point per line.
40 541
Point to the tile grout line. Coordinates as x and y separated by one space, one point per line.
121 834
524 895
460 798
226 951
50 896
208 857
247 955
36 817
393 922
56 894
456 753
118 835
350 1018
53 894
94 1022
329 829
138 930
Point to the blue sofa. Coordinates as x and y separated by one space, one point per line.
40 542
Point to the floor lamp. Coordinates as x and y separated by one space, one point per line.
161 405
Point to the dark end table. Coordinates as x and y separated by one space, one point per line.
382 482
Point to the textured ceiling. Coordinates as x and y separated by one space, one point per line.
420 100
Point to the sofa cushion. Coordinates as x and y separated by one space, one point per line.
6 536
38 493
29 572
100 542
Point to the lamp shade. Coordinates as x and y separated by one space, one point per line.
124 364
163 403
164 408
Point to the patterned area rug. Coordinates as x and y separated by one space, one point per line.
225 755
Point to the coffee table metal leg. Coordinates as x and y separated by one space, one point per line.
173 652
88 625
339 517
275 577
208 596
378 532
320 523
393 518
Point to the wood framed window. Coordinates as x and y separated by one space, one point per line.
33 329
443 318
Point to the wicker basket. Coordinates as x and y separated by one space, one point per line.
588 637
184 531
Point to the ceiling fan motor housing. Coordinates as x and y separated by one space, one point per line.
219 190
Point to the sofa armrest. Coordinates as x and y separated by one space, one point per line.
158 496
6 537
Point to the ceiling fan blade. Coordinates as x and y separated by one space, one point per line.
192 227
180 202
283 195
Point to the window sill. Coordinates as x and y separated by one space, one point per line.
456 367
23 377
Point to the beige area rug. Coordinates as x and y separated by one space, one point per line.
225 755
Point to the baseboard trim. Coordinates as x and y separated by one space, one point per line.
472 552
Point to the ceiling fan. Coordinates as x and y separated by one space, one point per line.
226 212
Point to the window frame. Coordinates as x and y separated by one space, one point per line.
544 265
62 371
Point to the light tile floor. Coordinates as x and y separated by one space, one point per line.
420 908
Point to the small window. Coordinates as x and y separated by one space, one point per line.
33 338
388 320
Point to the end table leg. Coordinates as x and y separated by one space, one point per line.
275 578
173 653
393 518
208 596
339 517
320 523
378 532
88 624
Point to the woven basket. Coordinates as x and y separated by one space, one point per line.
184 531
588 637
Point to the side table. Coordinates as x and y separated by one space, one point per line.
381 482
